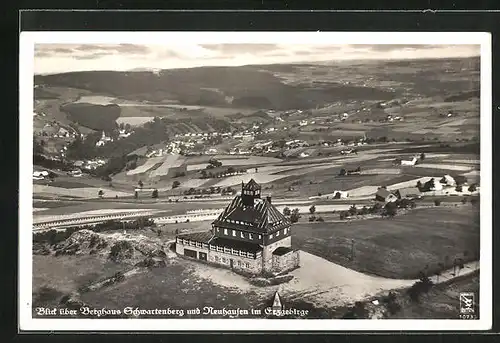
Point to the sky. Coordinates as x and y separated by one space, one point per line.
60 58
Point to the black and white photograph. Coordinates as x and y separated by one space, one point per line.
319 181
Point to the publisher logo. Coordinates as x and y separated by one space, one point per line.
467 303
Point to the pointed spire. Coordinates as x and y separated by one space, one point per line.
277 304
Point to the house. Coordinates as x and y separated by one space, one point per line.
340 195
75 172
62 132
249 236
104 139
448 181
40 175
385 196
408 193
411 162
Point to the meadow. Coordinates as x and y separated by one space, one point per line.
398 247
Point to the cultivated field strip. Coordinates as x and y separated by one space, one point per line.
84 192
170 161
150 163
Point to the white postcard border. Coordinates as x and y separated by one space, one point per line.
26 73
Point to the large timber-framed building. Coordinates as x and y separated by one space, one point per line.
250 235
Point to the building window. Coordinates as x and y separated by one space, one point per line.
225 231
247 265
239 263
277 233
234 233
242 235
260 236
270 236
250 236
223 260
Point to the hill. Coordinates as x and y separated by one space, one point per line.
248 87
95 117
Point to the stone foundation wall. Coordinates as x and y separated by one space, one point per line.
267 253
244 264
286 262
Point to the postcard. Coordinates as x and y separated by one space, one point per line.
255 181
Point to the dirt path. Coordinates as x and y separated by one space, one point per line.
320 282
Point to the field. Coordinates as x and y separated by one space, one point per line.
399 247
169 161
83 192
150 163
55 277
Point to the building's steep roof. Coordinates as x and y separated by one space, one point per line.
251 186
383 193
262 217
403 192
202 237
235 244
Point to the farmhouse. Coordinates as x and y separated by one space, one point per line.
385 196
340 194
408 193
250 236
448 180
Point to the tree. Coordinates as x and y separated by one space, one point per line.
312 218
312 209
419 185
464 201
140 184
422 156
294 217
154 195
175 184
473 188
342 215
203 174
342 172
136 194
286 211
390 209
320 219
437 202
100 193
391 303
353 210
458 188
